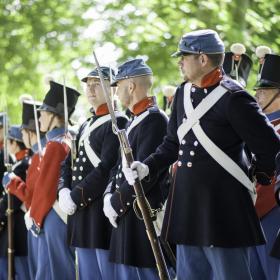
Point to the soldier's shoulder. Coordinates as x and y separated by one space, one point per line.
231 85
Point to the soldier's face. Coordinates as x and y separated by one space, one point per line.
94 92
123 92
12 146
45 119
26 138
264 95
190 67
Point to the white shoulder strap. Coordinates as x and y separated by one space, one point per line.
136 121
89 128
203 107
216 153
277 127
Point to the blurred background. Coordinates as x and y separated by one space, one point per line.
39 38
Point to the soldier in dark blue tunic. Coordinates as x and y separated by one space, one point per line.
130 248
18 149
82 187
211 214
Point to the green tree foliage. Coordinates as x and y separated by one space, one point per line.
153 28
41 36
37 37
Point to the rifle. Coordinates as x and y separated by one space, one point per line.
141 199
10 209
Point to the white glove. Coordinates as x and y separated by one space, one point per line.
8 176
66 203
109 211
28 220
136 170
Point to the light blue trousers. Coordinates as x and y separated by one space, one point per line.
94 264
203 263
60 255
261 264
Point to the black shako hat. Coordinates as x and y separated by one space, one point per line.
28 118
269 74
54 101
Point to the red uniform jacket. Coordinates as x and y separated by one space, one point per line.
266 197
24 190
45 189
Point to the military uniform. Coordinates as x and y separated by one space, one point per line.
263 266
130 248
20 234
97 149
47 217
211 216
23 190
88 228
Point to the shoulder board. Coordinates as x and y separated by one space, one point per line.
153 109
230 84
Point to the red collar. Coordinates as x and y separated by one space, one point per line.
1 145
212 78
142 105
102 110
21 154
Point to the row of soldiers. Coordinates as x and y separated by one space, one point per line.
77 201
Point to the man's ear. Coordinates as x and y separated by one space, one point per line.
131 86
203 59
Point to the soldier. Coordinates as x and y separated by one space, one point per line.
16 148
237 64
24 189
82 188
45 218
130 249
268 96
212 217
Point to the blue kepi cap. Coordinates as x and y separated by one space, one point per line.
201 41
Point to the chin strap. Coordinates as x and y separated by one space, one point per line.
271 101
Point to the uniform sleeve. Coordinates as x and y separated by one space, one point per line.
167 151
150 136
45 190
255 130
92 187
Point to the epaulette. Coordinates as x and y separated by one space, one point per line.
153 109
230 84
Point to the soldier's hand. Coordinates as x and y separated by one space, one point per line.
136 170
66 203
28 220
8 176
109 211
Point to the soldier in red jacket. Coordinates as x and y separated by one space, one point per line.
263 266
45 218
23 190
